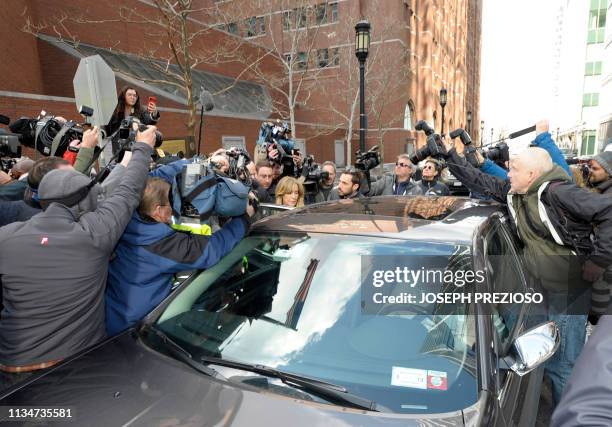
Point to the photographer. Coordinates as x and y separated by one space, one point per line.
54 276
326 185
22 210
150 252
15 190
429 184
398 184
600 182
348 186
554 220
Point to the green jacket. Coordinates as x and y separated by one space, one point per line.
555 265
83 160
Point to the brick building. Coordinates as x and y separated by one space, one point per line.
417 48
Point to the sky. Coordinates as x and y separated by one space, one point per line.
517 63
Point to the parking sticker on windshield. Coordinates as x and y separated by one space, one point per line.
419 378
408 377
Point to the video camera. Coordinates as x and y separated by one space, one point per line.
125 136
499 153
238 159
368 160
10 149
313 176
432 147
276 136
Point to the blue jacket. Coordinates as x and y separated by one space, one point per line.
543 140
150 253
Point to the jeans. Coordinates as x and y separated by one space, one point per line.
572 331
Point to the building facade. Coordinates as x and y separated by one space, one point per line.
581 79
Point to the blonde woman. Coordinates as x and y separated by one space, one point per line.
290 192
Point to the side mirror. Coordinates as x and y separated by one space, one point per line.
532 348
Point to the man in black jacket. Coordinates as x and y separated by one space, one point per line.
554 220
54 276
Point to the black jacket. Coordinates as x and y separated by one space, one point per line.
143 115
581 218
433 188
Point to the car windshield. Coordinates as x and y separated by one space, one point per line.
292 301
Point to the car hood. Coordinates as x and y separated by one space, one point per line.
123 382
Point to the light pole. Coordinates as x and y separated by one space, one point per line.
491 135
206 104
481 132
469 122
443 94
362 47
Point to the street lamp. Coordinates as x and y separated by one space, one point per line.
469 122
491 135
442 104
206 104
362 47
481 132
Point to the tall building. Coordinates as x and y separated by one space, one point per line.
605 127
580 79
418 47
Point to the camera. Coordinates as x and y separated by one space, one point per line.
499 154
276 136
313 177
432 147
49 136
368 160
238 159
469 151
126 135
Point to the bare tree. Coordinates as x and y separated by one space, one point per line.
174 45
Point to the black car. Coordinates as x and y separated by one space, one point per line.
276 333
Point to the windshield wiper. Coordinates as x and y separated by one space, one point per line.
184 356
328 391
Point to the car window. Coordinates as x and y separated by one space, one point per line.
505 275
292 301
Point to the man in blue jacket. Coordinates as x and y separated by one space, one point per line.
150 252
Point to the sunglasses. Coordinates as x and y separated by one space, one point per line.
428 167
402 165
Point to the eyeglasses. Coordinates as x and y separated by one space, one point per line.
402 165
428 167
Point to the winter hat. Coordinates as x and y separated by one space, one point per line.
605 161
59 184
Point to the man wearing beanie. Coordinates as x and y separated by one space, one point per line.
54 275
600 181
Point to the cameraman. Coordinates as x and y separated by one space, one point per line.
348 186
429 183
326 185
554 220
54 276
150 252
398 184
15 190
600 182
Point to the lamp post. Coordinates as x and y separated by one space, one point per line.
491 135
481 132
443 94
469 122
206 104
362 47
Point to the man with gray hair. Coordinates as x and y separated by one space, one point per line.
54 275
399 183
555 220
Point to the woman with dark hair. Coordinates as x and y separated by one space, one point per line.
128 104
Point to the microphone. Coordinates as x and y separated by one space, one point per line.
206 100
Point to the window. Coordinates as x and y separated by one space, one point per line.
321 14
592 68
302 17
408 113
288 59
302 61
590 100
261 22
588 143
255 26
286 20
334 12
323 57
335 56
597 21
232 28
233 141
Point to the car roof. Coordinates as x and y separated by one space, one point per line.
427 218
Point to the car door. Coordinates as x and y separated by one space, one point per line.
505 273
